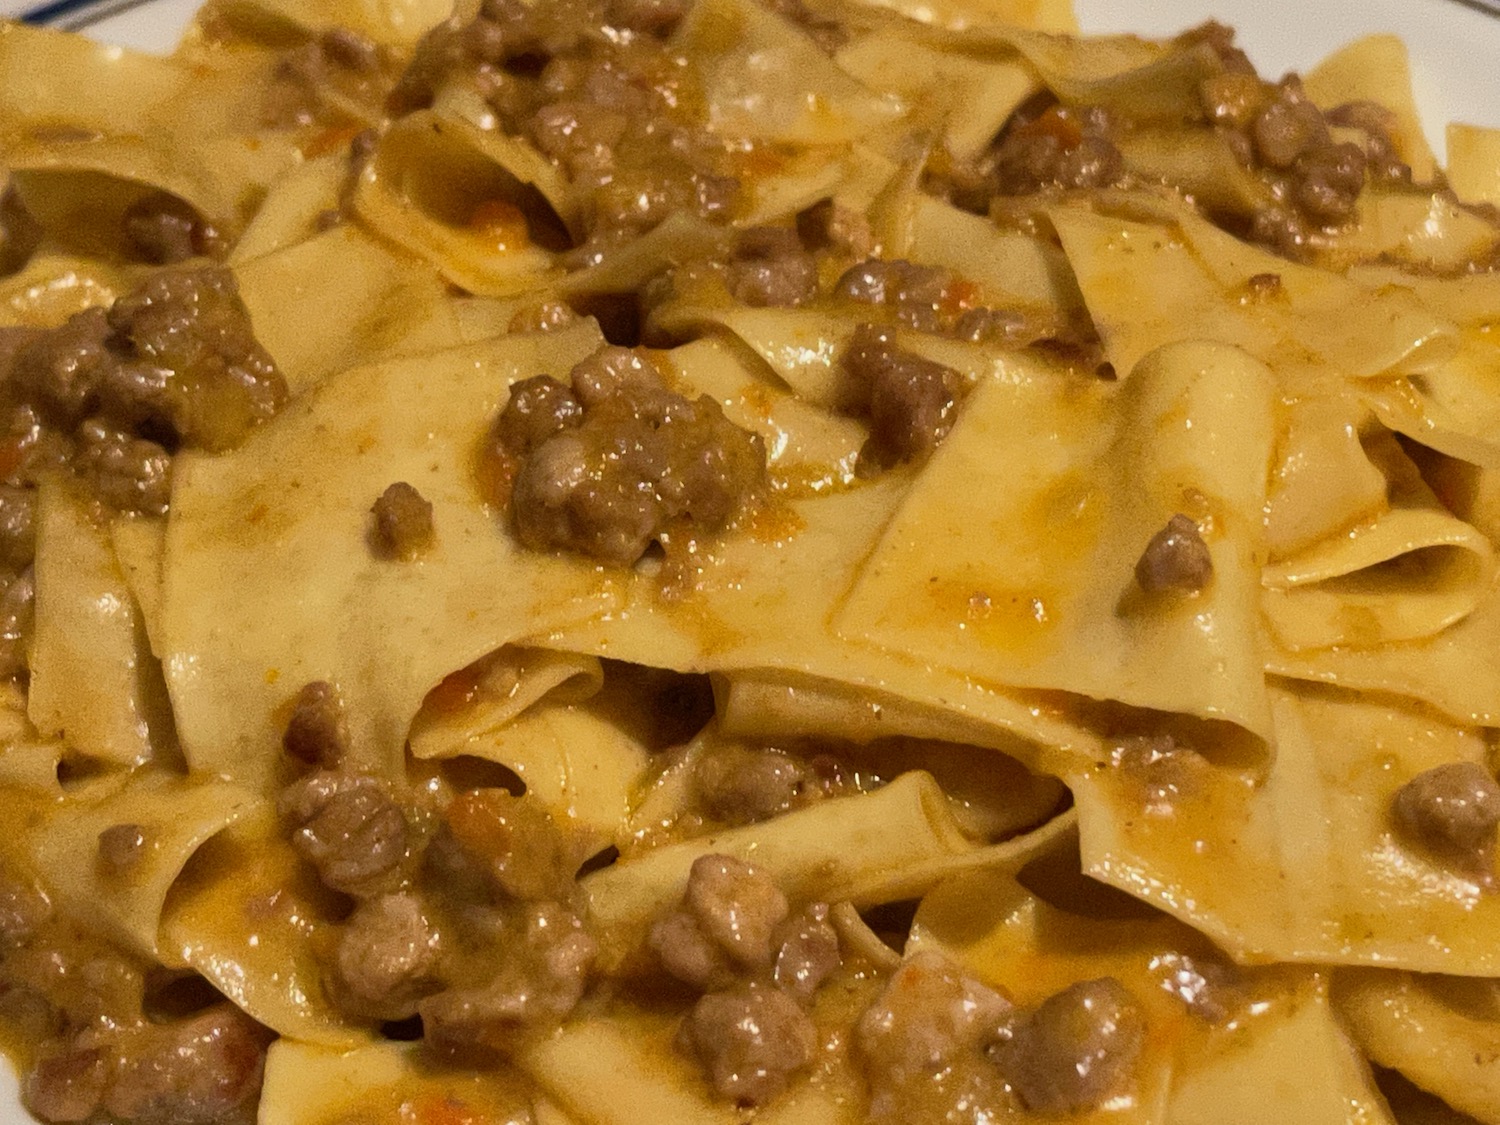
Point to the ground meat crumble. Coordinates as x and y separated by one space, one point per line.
617 461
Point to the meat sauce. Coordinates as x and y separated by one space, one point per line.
462 917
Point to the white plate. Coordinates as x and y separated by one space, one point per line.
1453 51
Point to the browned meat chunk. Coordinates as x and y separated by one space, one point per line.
1060 147
1077 1050
579 134
1175 559
516 842
66 1085
1287 127
350 50
742 784
725 926
1210 988
1453 810
403 523
60 371
130 474
992 326
920 296
317 733
738 907
1163 772
771 269
542 977
205 1070
831 226
538 408
642 459
20 233
161 229
929 1015
385 958
1378 124
1332 178
347 826
688 954
913 402
545 316
808 951
654 17
193 360
17 526
750 1041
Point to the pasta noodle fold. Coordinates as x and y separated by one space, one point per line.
1403 1022
93 678
738 50
252 535
1325 327
259 928
465 200
1317 870
1089 479
171 818
1409 571
1190 1070
887 845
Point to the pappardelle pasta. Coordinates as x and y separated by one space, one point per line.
589 562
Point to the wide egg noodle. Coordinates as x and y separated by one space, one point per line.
344 299
277 531
808 450
93 679
772 705
893 843
28 762
1474 163
1376 68
575 761
1304 865
1422 230
459 197
250 918
295 208
1191 1070
312 1084
138 543
1440 671
977 96
1088 473
52 287
1407 571
765 80
1054 16
624 1067
1294 1062
1006 268
53 79
1402 1022
396 23
82 152
1323 481
763 602
476 702
1316 328
174 816
991 794
1452 405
